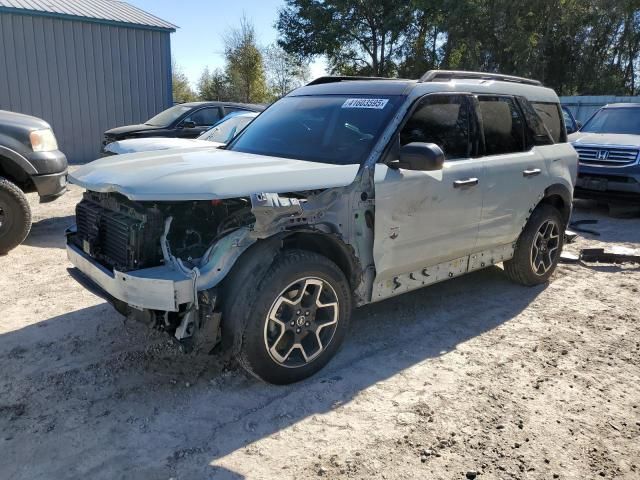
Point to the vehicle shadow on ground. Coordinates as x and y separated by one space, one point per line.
86 395
609 228
49 232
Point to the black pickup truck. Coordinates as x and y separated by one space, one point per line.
29 162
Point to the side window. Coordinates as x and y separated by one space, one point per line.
550 114
503 125
205 117
443 120
228 110
538 131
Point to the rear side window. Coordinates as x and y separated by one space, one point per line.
503 125
538 132
205 117
551 116
443 120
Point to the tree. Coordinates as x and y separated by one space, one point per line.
358 37
284 71
245 67
213 85
182 91
573 46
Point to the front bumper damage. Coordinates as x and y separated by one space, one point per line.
158 288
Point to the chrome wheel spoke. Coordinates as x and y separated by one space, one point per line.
301 322
545 246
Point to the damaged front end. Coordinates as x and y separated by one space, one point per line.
163 262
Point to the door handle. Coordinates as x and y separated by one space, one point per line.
531 173
469 182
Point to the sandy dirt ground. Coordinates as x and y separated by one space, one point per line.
475 377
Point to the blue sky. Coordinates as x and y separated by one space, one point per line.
198 41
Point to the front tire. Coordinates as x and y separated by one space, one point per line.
15 216
295 318
538 249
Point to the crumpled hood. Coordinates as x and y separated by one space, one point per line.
206 174
587 138
151 144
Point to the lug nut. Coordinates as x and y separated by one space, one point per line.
306 313
298 312
298 330
293 324
307 324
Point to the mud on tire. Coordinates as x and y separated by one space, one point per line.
294 322
15 216
538 248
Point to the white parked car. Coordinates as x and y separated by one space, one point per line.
345 192
220 134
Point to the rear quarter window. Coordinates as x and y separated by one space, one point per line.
552 117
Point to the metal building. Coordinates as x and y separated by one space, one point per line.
84 66
583 107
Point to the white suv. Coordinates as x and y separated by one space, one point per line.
345 192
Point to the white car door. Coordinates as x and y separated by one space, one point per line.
425 218
515 173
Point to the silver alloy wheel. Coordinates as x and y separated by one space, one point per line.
545 247
301 322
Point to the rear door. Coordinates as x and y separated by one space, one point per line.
424 218
515 172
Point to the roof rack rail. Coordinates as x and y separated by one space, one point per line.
444 75
331 79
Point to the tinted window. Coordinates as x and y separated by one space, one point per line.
538 131
550 114
325 128
166 118
503 126
614 120
443 120
205 117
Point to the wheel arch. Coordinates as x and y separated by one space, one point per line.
559 197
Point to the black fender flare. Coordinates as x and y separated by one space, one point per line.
566 205
18 160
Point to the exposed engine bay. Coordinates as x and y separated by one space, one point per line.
125 235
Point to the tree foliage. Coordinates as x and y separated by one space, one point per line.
574 46
182 91
213 85
245 67
285 71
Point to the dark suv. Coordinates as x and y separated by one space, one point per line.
187 120
29 162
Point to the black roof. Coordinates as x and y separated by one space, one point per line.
248 106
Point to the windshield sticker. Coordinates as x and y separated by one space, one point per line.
375 103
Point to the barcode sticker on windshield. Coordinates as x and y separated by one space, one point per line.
375 103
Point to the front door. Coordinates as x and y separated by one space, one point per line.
425 218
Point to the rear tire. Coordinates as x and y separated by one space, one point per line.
292 320
15 216
538 248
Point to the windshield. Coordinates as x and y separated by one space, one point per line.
226 129
167 117
614 120
337 129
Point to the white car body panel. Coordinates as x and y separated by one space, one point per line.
421 219
206 174
133 145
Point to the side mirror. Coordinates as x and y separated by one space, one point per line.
572 129
420 156
188 124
